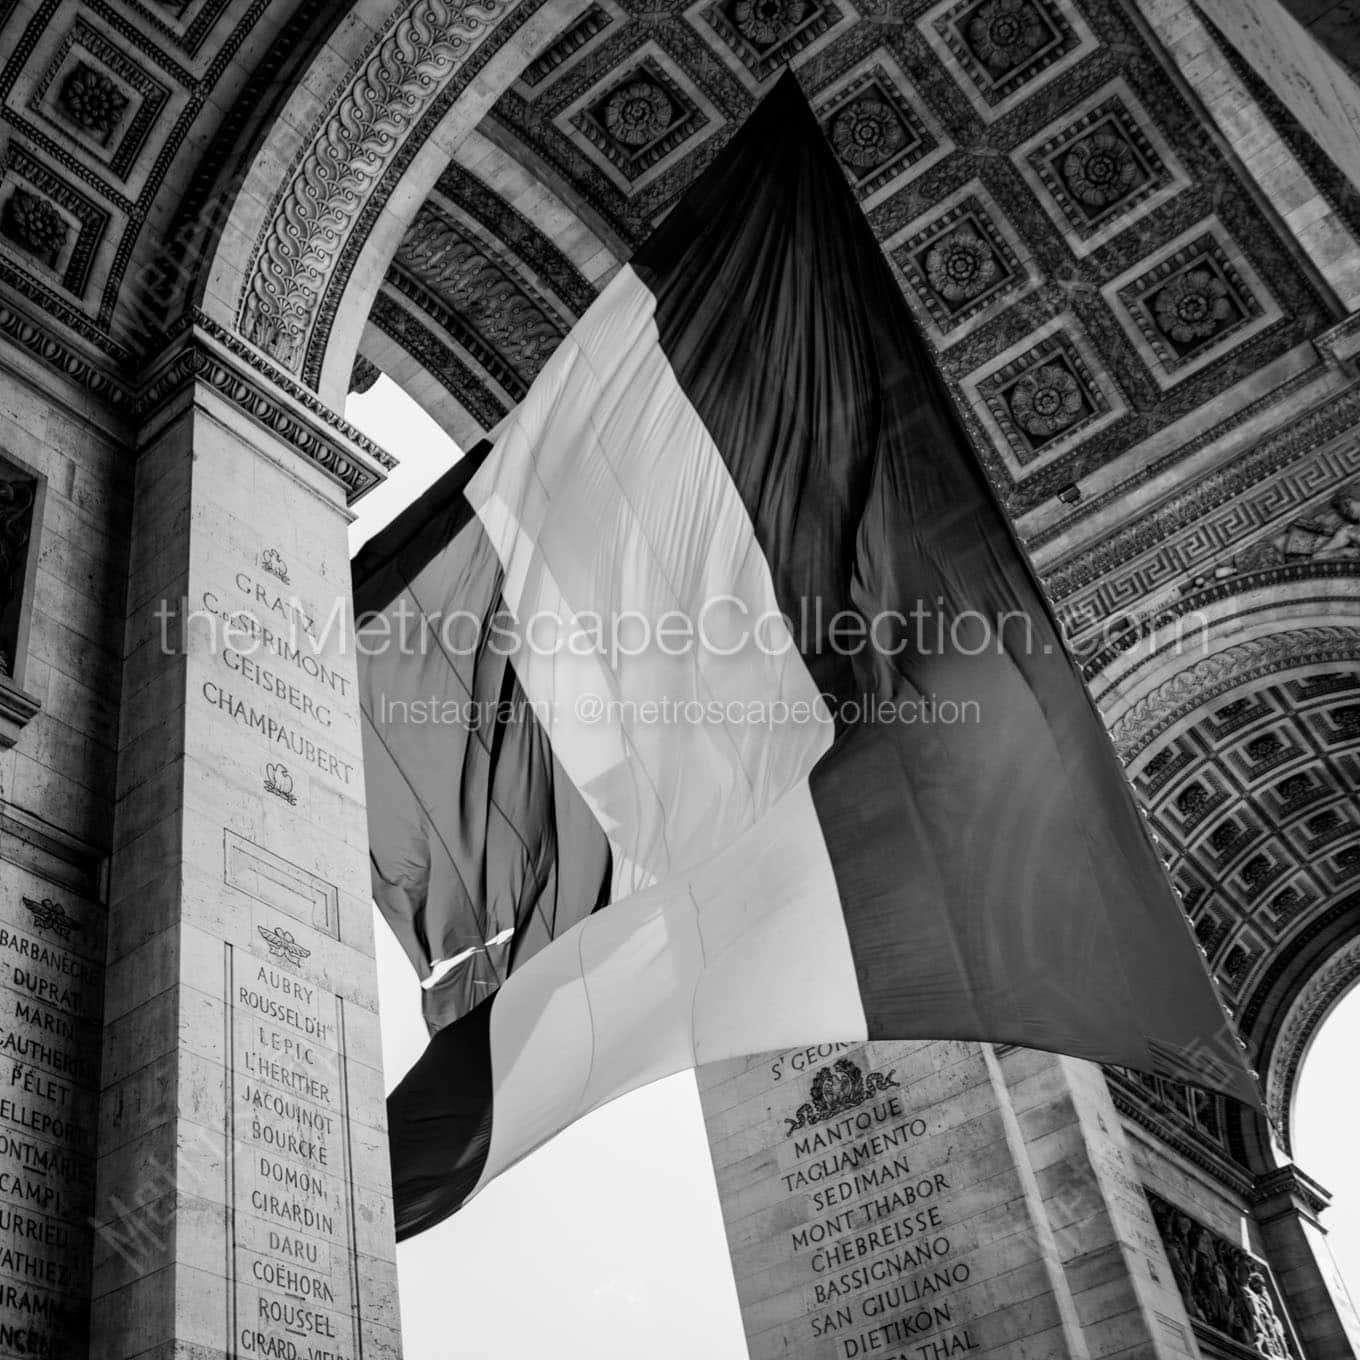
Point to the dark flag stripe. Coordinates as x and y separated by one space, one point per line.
790 336
474 830
750 412
439 1123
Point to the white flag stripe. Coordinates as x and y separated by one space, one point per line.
746 953
606 497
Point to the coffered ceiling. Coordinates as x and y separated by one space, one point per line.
1082 248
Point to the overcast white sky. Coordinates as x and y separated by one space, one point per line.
607 1244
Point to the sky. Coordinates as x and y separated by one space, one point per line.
608 1243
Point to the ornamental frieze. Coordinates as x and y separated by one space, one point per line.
345 157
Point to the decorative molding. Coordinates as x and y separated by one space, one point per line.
484 295
1002 51
52 351
533 251
1191 303
881 127
1127 631
51 853
346 155
17 710
1100 168
1198 685
1252 801
1289 1180
210 354
52 222
417 336
85 103
1143 1108
1235 501
593 21
1306 1013
1045 395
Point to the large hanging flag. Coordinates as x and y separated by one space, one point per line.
775 682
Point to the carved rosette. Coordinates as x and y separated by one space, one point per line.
34 224
91 99
867 132
348 152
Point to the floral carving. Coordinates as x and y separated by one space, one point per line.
1006 33
34 224
962 266
1046 401
349 150
480 291
1100 170
92 100
867 133
1193 306
767 22
638 113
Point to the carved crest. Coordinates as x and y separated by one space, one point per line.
271 560
278 781
283 945
50 915
838 1088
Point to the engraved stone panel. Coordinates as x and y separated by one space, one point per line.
291 1191
51 998
873 1204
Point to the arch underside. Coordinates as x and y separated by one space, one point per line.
1267 857
1248 761
1159 374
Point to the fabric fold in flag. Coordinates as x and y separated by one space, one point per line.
481 851
777 636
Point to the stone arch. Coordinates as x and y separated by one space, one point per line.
1205 740
1301 1019
346 165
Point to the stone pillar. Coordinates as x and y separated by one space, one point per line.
242 1199
1286 1207
1111 1252
919 1201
